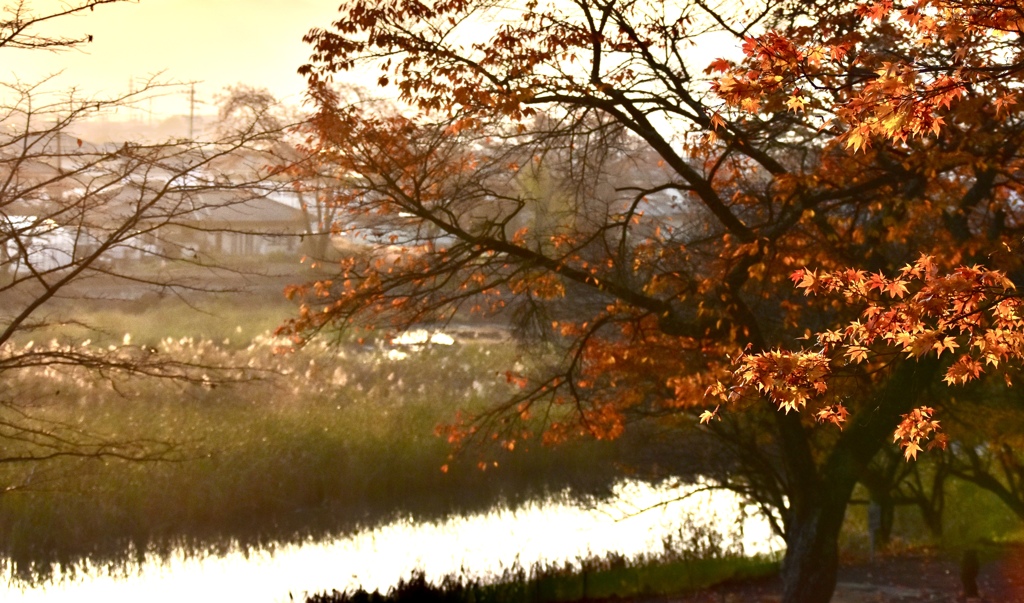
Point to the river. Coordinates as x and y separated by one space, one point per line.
481 545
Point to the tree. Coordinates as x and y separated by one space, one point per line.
244 108
868 152
276 133
78 218
985 446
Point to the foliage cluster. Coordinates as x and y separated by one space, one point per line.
971 308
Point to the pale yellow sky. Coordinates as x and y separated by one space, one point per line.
214 42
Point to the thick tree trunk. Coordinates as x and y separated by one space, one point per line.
818 503
811 563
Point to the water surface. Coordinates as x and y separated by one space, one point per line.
479 545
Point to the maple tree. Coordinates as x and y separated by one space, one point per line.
867 153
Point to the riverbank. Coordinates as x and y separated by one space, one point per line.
320 443
554 538
305 446
914 576
612 577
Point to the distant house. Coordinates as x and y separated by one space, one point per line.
210 222
235 222
65 197
28 244
249 165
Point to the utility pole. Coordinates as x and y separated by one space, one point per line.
191 111
60 153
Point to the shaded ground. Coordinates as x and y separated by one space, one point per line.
909 578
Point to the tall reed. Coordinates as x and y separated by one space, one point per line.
314 442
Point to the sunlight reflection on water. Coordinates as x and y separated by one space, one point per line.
481 544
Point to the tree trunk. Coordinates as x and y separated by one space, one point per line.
818 504
317 246
933 520
811 564
881 518
888 506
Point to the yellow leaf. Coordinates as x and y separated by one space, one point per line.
855 140
857 354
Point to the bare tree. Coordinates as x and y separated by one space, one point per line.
78 217
279 132
19 25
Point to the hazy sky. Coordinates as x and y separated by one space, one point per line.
215 42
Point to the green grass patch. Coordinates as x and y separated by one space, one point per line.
972 518
593 578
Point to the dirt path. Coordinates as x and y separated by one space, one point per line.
915 578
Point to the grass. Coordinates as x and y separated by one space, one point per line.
232 321
671 572
972 518
318 442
